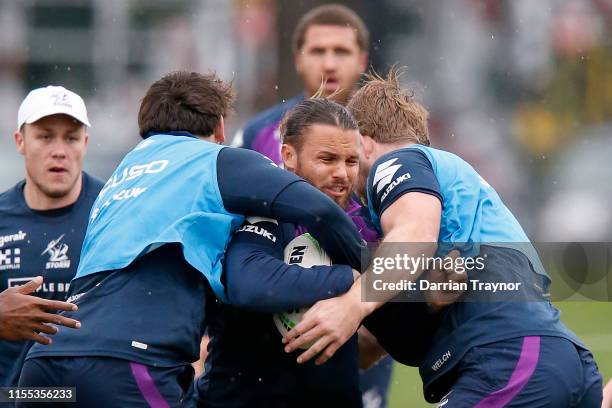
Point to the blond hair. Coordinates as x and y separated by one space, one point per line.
387 112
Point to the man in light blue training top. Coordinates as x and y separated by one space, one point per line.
149 279
488 350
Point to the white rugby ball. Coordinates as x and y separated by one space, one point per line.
304 251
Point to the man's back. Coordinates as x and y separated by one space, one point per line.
147 232
146 204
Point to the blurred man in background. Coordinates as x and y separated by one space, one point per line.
330 44
43 218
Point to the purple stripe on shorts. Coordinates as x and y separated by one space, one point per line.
147 386
526 365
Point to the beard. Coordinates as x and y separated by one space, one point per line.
52 191
341 201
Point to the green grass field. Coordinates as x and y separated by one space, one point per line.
592 321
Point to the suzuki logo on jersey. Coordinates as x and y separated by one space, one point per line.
19 236
259 231
58 257
10 258
384 174
394 184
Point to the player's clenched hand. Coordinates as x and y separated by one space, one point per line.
328 324
24 317
439 299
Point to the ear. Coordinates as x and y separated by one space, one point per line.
367 145
289 156
363 61
85 142
297 62
20 142
220 131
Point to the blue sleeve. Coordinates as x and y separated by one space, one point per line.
251 184
257 278
400 172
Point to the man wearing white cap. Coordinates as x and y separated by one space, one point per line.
42 223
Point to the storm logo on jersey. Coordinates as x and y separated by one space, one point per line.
58 257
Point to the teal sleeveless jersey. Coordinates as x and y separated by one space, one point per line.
165 190
472 211
475 221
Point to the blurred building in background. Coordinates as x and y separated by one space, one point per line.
520 88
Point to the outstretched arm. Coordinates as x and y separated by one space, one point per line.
24 317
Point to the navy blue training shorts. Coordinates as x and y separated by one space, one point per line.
529 372
107 382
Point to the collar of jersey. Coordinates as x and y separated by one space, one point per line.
172 133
